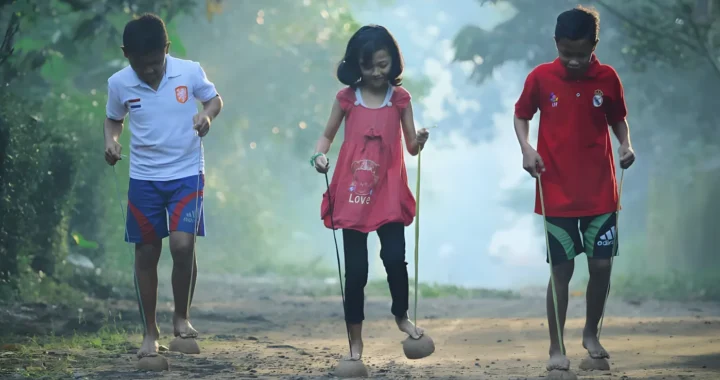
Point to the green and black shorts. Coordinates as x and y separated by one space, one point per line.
569 237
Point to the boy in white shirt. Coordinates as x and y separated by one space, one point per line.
158 92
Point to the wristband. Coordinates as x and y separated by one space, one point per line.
314 157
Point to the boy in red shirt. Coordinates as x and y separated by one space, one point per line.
578 97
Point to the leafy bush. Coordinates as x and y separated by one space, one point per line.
54 190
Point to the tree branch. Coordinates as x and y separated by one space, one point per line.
7 47
701 12
707 52
629 21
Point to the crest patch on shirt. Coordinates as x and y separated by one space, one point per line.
181 94
598 98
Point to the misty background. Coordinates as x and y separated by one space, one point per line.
274 63
468 170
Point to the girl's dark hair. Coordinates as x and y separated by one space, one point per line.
578 24
144 35
361 47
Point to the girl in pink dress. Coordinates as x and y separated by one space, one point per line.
369 189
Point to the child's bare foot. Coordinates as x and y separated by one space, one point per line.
149 347
408 327
183 328
592 345
557 360
356 350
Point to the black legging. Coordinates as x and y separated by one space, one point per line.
392 253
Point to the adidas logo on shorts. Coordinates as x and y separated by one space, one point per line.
189 217
607 238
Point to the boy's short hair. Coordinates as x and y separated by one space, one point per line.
580 23
146 34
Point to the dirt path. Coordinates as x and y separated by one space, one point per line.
270 335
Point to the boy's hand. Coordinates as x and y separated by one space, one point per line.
201 123
112 152
627 156
532 162
322 165
422 136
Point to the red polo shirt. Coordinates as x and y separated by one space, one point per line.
574 137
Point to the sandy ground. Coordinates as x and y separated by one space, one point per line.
250 331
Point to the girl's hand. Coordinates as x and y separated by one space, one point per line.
321 164
422 136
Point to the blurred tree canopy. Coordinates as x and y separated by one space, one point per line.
666 52
273 63
55 57
636 37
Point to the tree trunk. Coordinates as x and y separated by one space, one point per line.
8 253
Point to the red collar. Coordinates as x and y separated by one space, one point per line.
592 71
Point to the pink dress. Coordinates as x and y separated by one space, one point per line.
369 186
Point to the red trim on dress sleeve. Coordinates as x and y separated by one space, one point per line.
400 97
346 98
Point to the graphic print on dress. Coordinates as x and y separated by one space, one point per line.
364 179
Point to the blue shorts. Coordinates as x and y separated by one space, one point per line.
152 203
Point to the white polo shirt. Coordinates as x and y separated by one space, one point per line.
163 143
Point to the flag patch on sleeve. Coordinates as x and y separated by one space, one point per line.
134 103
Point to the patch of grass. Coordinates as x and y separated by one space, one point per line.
52 357
36 287
671 286
380 288
675 286
439 291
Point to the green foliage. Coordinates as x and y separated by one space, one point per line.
274 65
59 198
31 286
57 357
380 288
54 186
440 291
662 31
521 38
671 285
642 40
33 225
